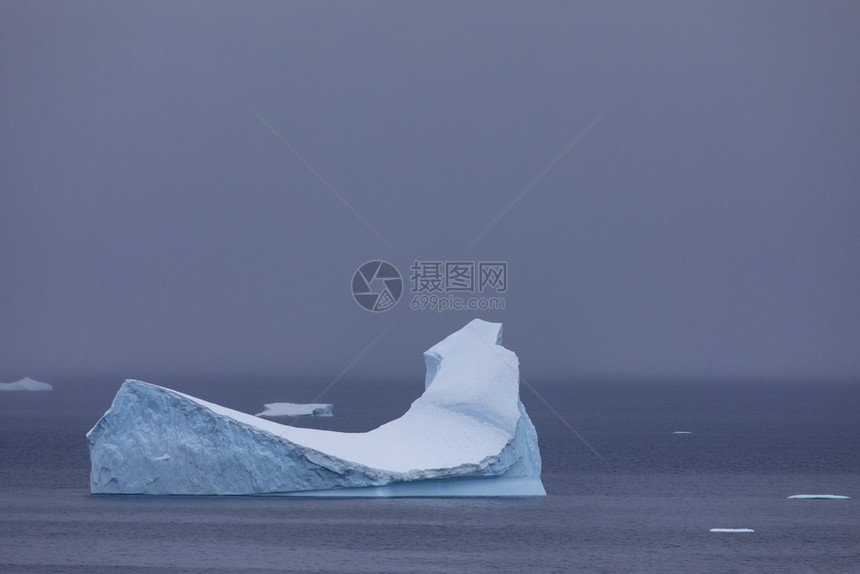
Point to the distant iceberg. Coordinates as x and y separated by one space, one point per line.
820 497
467 435
732 530
26 384
297 410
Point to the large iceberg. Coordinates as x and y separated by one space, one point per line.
467 435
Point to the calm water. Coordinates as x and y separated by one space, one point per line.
647 507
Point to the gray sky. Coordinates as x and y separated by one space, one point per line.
152 222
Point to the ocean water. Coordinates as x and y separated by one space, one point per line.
643 500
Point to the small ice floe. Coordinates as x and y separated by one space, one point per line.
682 432
297 410
820 497
26 384
732 530
165 456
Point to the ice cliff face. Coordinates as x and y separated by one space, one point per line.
468 434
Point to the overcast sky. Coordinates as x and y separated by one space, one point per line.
188 187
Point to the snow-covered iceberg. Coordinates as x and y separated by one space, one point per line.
26 384
467 435
297 410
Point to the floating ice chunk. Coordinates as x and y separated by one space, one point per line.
820 497
165 456
26 384
467 435
732 530
682 432
297 410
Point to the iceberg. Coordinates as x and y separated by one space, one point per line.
468 434
819 497
732 530
297 410
26 384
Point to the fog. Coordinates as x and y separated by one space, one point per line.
188 188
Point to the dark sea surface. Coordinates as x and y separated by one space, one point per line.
644 503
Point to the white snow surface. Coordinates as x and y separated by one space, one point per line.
26 384
297 410
468 430
820 497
